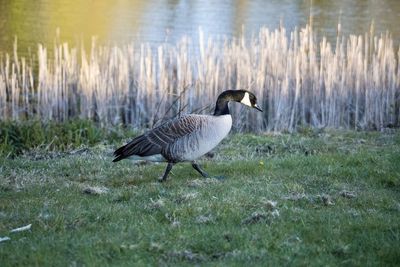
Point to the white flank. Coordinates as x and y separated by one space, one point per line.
246 100
153 158
23 228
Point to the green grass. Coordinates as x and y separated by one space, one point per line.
190 220
18 137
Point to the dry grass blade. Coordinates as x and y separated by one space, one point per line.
21 229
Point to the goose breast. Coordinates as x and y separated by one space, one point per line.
208 133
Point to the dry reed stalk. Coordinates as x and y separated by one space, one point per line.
299 81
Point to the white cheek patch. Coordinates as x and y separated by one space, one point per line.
246 100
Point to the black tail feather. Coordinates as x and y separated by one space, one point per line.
119 151
117 159
140 146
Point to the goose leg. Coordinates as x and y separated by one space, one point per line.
167 170
197 168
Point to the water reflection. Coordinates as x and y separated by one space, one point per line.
157 21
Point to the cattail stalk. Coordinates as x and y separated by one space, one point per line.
354 84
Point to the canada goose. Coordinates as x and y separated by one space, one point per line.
188 137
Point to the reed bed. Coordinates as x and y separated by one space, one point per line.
300 80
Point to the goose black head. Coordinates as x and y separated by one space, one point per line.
249 99
242 96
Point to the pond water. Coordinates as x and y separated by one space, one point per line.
121 21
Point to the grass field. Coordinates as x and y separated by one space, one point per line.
311 199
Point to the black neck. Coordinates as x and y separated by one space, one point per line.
221 107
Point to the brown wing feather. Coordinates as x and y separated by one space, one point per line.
156 140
